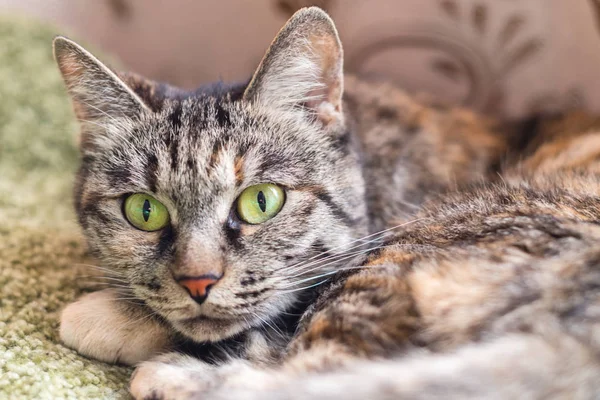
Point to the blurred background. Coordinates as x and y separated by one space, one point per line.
504 57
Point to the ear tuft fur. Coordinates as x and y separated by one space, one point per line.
303 68
97 92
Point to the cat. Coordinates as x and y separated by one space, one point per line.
316 236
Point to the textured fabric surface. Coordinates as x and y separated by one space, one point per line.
41 250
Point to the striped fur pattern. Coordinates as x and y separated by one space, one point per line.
422 259
196 152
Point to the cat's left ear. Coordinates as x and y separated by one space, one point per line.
303 68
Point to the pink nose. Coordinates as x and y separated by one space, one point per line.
198 287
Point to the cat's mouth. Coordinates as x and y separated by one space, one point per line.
203 319
203 328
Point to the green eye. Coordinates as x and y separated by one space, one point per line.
260 203
145 212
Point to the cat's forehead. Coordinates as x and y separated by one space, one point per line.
203 120
205 129
211 144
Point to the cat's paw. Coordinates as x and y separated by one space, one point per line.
100 326
173 376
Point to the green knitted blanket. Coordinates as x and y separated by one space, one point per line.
41 250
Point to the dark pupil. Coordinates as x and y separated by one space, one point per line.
146 210
262 202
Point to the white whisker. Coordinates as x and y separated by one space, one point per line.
376 234
329 261
301 269
302 288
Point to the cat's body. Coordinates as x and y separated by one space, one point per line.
490 290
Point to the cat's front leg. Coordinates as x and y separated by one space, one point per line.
178 376
100 325
523 366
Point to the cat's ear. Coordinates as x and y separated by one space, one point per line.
98 94
303 68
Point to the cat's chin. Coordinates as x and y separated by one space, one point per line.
208 329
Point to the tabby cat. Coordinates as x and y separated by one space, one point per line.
308 235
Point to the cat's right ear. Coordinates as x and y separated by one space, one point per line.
99 96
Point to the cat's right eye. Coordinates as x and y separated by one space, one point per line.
145 212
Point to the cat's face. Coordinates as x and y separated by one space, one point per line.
194 163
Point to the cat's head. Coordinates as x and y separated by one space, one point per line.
210 205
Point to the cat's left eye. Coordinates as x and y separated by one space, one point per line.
145 212
260 203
